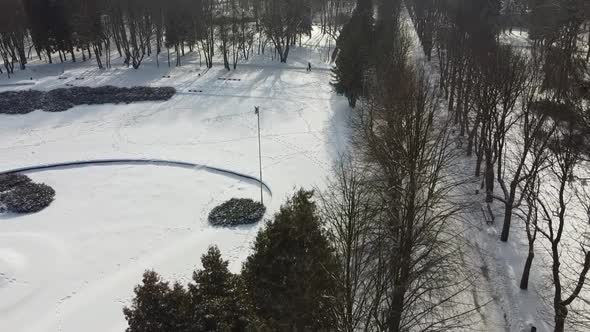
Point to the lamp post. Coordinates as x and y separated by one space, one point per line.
257 112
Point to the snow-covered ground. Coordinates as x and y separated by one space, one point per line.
72 267
498 265
517 38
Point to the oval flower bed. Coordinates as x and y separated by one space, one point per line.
18 194
237 211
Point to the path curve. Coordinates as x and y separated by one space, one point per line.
157 162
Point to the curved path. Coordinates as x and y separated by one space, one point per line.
158 162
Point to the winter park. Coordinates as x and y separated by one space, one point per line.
294 165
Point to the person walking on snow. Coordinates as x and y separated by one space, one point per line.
309 66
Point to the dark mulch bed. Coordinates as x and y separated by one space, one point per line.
59 100
18 194
237 211
10 181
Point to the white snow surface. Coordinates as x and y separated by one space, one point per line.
72 267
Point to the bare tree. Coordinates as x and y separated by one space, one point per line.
531 218
207 29
527 157
567 236
349 209
487 98
407 143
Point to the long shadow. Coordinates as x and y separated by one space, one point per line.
157 162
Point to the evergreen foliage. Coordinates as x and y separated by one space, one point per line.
10 181
216 296
290 275
354 48
62 99
156 307
237 212
214 302
18 194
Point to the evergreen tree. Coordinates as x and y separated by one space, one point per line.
216 296
215 302
290 277
354 44
156 307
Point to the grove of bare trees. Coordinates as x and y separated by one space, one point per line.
74 30
522 109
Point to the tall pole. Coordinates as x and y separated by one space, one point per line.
257 110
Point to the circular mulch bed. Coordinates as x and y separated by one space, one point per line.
237 211
18 194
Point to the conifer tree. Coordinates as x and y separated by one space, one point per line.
216 296
155 307
354 45
290 277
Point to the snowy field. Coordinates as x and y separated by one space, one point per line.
72 267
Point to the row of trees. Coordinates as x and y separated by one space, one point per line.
375 251
523 111
392 206
137 29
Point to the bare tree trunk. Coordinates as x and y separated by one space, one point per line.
508 206
48 51
524 280
473 134
480 150
561 312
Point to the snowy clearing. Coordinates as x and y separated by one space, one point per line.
72 267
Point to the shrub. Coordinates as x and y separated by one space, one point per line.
10 181
289 277
237 211
62 99
28 197
58 100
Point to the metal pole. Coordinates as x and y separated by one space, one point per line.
257 108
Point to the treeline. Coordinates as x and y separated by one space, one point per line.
137 29
325 262
523 110
377 249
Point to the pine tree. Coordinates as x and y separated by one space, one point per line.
216 296
214 302
155 307
354 44
290 276
178 304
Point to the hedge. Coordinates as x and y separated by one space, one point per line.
237 211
